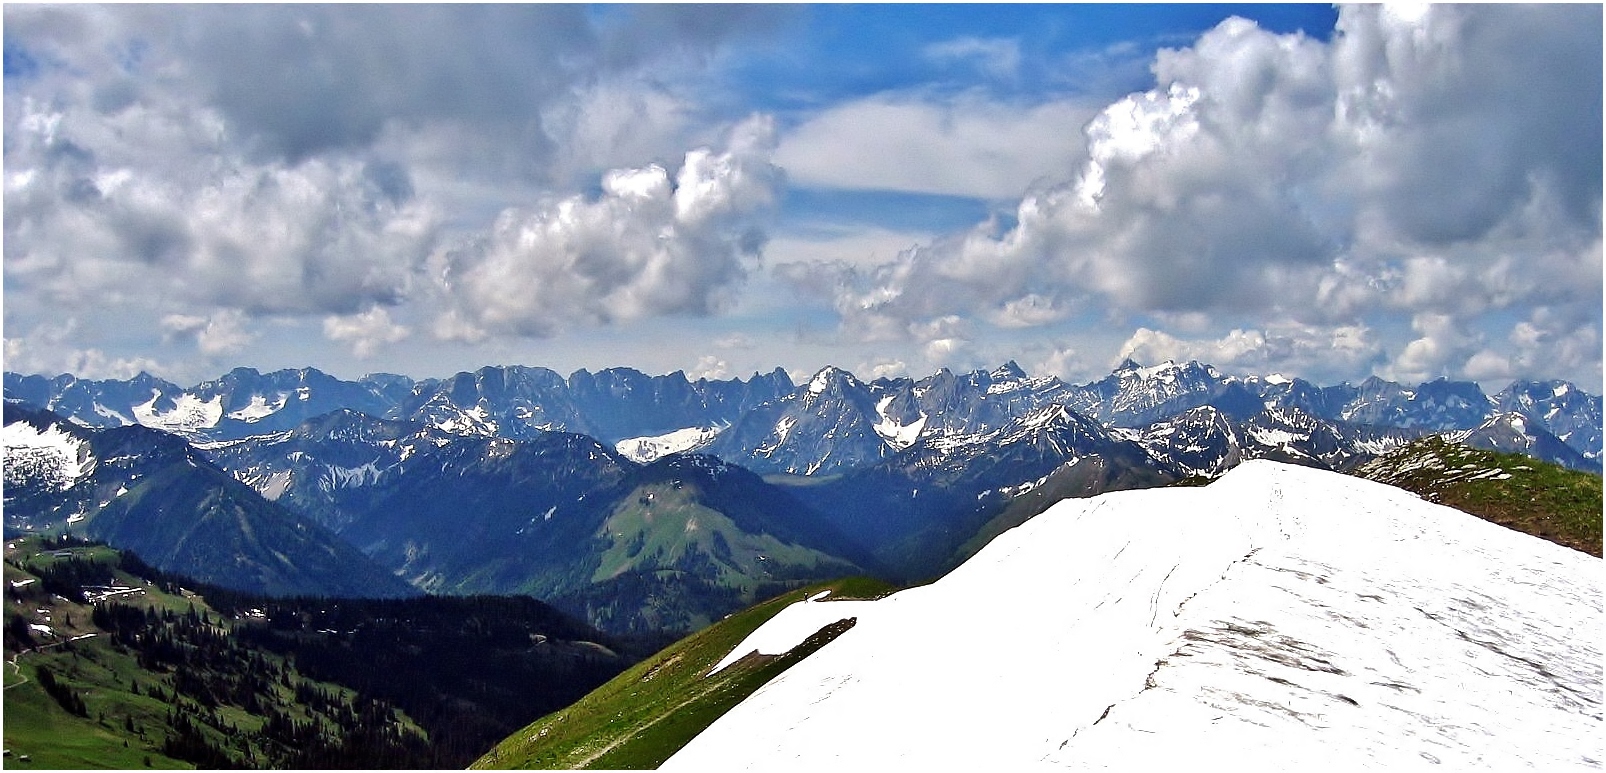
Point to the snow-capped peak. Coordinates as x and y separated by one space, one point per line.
822 380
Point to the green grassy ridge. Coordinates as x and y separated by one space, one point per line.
661 523
1519 492
643 716
674 558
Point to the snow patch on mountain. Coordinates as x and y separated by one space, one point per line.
117 416
1281 618
898 436
189 414
645 450
52 457
259 408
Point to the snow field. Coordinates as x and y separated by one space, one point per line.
1282 618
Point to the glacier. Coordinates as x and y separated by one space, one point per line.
1280 618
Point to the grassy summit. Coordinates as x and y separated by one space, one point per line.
1515 491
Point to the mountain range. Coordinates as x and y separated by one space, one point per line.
659 502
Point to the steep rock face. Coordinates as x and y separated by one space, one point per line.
46 460
1515 433
623 403
1281 618
240 403
96 403
254 403
659 414
824 427
513 402
1278 391
1207 442
1436 405
1200 441
611 405
1566 411
1135 396
327 467
913 510
982 401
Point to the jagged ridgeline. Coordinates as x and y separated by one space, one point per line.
654 503
119 665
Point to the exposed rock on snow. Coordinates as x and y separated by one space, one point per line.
1281 618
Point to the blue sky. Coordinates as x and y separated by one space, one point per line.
1333 192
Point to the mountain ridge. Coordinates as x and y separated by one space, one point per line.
832 423
1237 625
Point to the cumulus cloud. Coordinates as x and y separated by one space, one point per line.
1323 354
51 349
1437 168
167 160
710 367
653 243
218 334
366 332
87 217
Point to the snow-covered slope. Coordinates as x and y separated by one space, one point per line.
1282 618
53 457
646 450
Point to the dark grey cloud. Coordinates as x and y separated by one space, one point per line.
308 160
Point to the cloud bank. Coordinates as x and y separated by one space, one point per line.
1416 195
1439 172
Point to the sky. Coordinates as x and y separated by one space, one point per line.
1406 191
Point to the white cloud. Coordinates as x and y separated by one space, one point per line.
735 341
1438 169
218 334
366 332
651 244
852 245
1065 363
710 367
967 146
91 220
1442 342
998 57
1321 354
51 349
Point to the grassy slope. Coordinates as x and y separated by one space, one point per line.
1515 491
648 713
671 523
104 675
39 728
